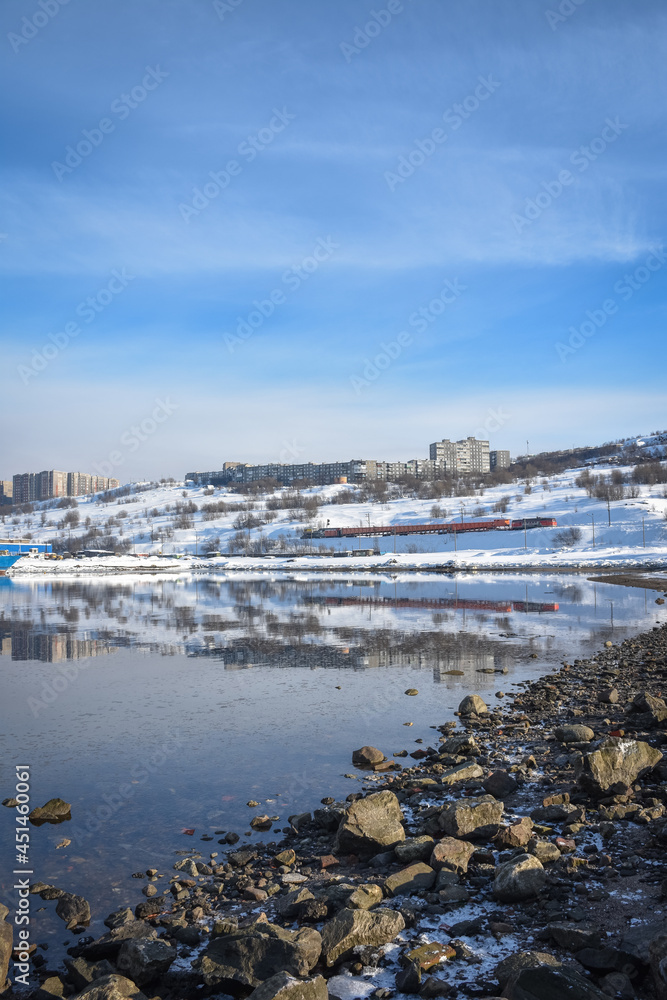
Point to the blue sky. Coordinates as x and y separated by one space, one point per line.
531 142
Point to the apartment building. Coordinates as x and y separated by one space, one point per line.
28 487
499 460
467 455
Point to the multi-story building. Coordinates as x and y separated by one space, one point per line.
467 455
28 487
6 491
499 460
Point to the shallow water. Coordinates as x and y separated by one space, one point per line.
155 705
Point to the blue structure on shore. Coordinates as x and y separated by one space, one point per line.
11 551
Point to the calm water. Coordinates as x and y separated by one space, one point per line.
155 705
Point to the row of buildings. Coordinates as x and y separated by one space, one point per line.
27 487
446 457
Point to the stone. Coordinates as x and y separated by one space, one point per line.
365 897
111 987
412 692
544 982
574 734
453 895
500 784
187 866
144 961
119 918
410 880
81 973
288 906
109 944
608 696
635 942
463 744
574 936
430 955
516 834
282 986
520 878
433 987
371 825
73 910
472 704
452 854
50 988
53 811
615 766
350 928
408 979
6 946
544 850
462 772
655 707
414 849
251 955
366 756
657 952
511 966
474 817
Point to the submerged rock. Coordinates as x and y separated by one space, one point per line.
53 811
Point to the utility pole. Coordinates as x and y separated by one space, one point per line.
643 532
592 517
609 511
525 535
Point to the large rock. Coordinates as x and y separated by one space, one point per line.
452 854
574 734
289 906
520 878
615 766
73 910
366 756
511 966
574 936
657 951
6 936
111 988
473 817
53 811
144 961
472 704
500 784
462 772
365 897
517 834
251 955
414 849
282 986
546 983
350 928
109 944
410 880
371 825
82 973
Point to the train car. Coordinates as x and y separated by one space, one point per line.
534 522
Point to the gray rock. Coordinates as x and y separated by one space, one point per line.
350 928
516 834
288 906
109 944
520 878
574 936
635 942
473 817
472 704
82 973
544 850
365 897
574 734
53 811
657 951
546 983
111 988
414 849
372 824
452 854
462 772
120 917
464 744
615 766
144 961
500 784
6 944
73 910
188 867
511 966
367 755
410 880
282 986
251 955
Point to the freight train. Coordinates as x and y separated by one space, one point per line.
440 528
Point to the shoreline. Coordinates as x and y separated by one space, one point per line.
505 846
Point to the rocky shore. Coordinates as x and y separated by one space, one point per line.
523 854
